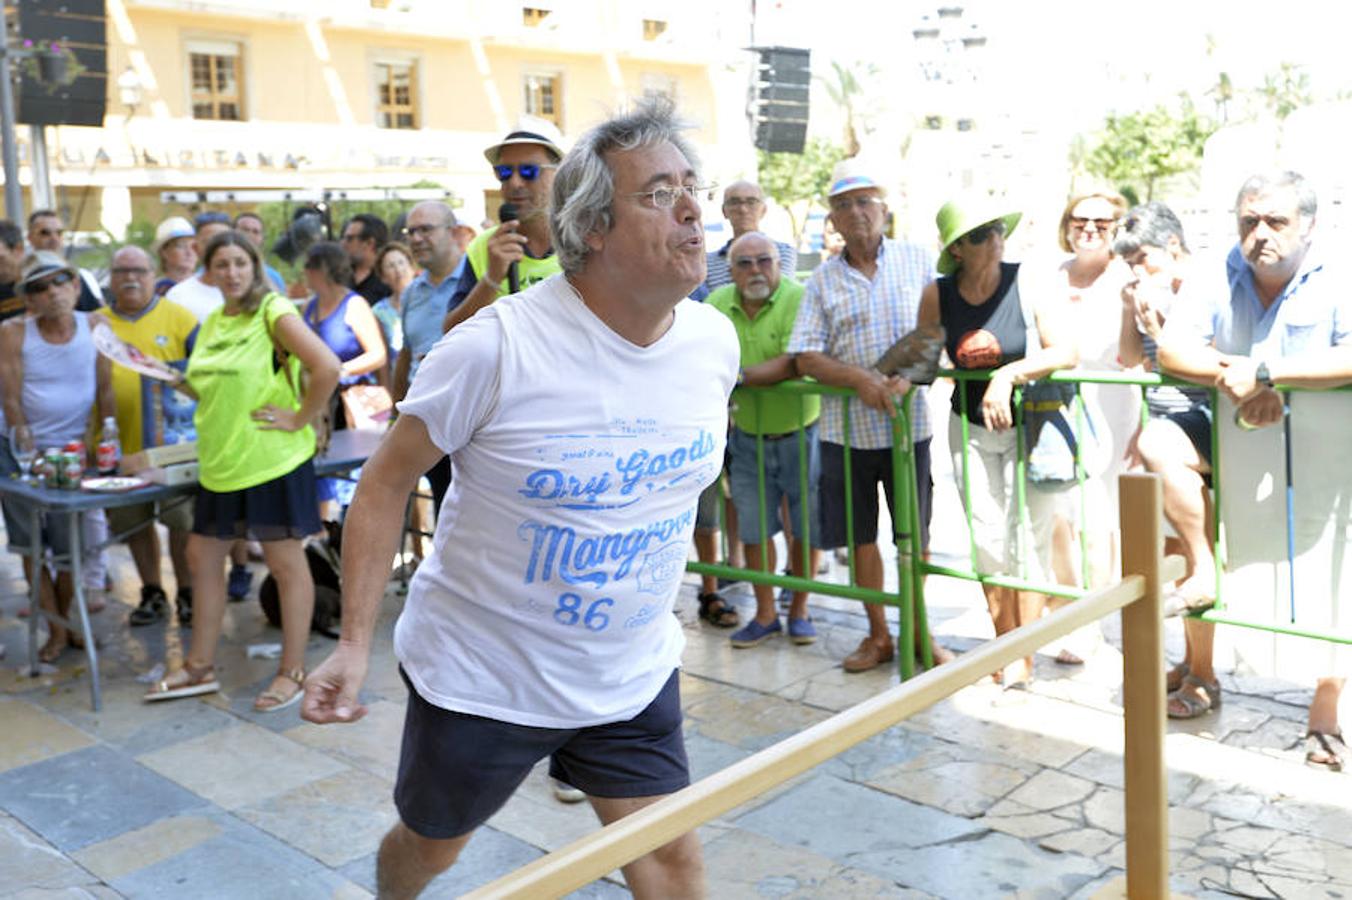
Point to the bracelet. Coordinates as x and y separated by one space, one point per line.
495 285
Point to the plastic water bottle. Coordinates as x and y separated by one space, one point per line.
109 453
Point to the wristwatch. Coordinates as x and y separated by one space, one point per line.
1262 375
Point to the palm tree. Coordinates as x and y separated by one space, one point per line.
845 89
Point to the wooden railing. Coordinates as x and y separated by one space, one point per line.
1137 595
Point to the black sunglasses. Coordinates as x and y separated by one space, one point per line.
527 171
41 287
977 236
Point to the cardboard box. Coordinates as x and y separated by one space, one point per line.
153 457
178 473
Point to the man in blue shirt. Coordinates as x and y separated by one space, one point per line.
1280 317
425 301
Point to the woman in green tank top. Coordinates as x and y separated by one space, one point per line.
255 457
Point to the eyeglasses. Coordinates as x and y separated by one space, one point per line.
668 197
1100 224
129 271
422 231
747 263
527 171
977 236
864 203
42 287
735 202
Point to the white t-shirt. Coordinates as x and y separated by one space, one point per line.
578 459
196 296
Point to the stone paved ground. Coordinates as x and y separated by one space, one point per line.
983 795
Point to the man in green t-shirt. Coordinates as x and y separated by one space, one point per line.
516 254
775 433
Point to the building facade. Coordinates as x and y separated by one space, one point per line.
226 95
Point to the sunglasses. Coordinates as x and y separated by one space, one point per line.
978 235
1100 224
42 287
527 171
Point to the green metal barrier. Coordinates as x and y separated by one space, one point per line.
912 565
905 513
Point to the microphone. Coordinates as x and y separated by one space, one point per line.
506 213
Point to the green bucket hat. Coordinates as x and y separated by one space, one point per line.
957 217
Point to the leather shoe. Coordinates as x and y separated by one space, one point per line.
869 655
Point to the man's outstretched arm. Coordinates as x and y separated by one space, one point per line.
374 526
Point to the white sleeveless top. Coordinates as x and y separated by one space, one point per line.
578 459
58 383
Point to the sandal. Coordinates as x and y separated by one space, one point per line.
186 682
716 611
272 701
1186 704
1326 750
1173 678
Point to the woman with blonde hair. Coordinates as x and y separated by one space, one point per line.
1091 280
255 449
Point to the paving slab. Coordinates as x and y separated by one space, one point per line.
90 795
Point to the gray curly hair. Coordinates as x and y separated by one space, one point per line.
584 187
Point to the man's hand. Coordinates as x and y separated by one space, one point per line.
331 690
995 408
1148 298
505 247
1263 408
880 392
1238 378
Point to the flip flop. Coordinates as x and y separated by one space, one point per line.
1326 750
1190 705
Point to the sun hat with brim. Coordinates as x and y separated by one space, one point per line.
530 130
171 229
40 264
852 175
960 217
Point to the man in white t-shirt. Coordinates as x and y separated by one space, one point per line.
197 294
583 416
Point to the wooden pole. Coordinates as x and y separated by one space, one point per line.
1143 700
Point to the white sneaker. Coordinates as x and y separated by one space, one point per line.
566 793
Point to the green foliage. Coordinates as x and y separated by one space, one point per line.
1136 151
1286 90
796 180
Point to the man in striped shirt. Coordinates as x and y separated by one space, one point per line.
743 207
857 304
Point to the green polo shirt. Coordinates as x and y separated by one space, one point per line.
765 337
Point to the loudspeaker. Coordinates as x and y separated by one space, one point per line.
783 86
79 25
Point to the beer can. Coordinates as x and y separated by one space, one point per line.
48 467
72 470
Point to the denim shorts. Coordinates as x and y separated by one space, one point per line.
456 770
1196 424
18 516
782 480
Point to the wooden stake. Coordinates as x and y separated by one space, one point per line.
1147 798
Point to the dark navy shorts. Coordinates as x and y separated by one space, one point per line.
868 468
1195 422
457 770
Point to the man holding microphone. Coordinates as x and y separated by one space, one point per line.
517 253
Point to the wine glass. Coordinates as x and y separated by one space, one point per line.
25 450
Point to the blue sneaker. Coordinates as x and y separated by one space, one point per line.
801 631
239 584
753 632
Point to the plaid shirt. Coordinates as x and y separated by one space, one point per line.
854 320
